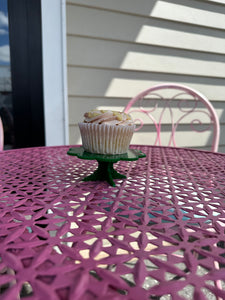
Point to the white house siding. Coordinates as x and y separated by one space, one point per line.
116 49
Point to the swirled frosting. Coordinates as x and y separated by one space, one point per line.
109 117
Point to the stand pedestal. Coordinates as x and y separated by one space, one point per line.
105 170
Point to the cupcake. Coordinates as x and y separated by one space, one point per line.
106 131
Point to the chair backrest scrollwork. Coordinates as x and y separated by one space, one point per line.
178 105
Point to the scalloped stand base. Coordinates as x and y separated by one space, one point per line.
105 170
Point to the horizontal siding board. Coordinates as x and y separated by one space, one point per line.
221 149
111 83
86 104
135 29
140 7
216 1
178 116
181 39
75 139
193 12
184 138
91 52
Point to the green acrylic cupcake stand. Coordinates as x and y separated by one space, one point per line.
105 170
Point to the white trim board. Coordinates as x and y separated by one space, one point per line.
54 72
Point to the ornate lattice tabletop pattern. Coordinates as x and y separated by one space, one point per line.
158 234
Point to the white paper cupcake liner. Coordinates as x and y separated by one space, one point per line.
106 139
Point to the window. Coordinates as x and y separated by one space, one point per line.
25 43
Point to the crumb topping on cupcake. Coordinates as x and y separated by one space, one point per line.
107 117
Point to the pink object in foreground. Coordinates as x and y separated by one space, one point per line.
158 232
162 98
1 135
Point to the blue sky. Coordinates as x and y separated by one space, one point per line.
4 34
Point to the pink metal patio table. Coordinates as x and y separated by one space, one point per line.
158 234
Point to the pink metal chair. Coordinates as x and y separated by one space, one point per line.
1 135
158 104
